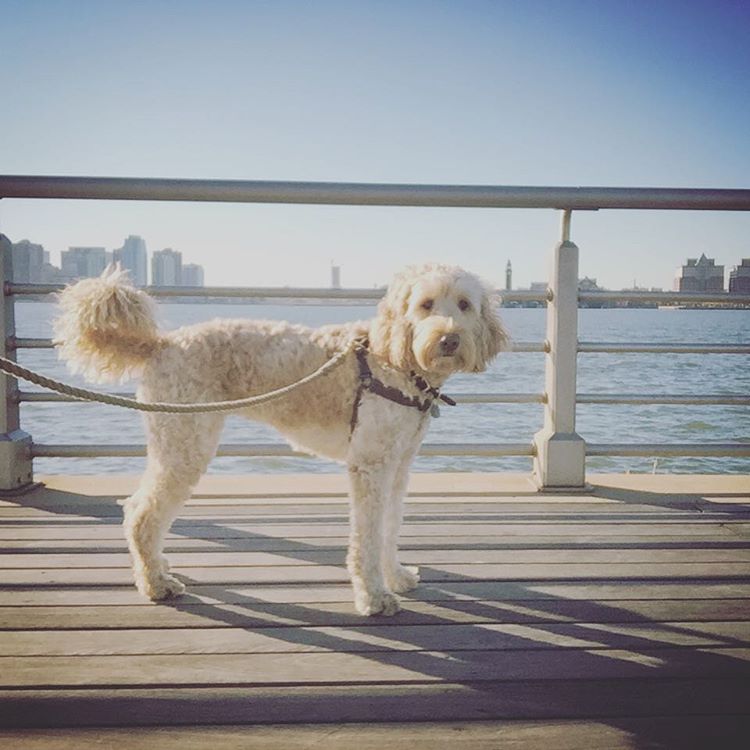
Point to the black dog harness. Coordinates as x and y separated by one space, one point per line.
367 382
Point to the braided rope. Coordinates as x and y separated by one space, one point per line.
82 394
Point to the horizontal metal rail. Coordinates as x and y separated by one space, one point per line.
681 298
264 292
477 450
262 450
585 347
687 399
719 450
45 343
721 399
270 292
460 398
369 194
373 295
590 347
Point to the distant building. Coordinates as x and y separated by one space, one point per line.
28 262
335 277
192 275
739 278
166 268
84 262
508 277
587 284
700 275
134 259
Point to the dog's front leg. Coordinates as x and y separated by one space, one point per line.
400 578
369 484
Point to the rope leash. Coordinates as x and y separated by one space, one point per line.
82 394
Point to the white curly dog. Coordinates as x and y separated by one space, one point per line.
371 412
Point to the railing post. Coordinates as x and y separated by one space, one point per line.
560 460
15 445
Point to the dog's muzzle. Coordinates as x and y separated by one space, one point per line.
448 344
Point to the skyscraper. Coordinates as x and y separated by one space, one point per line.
134 259
700 275
166 268
739 278
192 275
28 262
84 262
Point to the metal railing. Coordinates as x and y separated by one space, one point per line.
558 452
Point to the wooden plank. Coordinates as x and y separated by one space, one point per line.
293 505
431 557
375 639
366 703
312 573
426 510
532 590
82 505
623 733
110 529
259 614
393 667
453 483
723 541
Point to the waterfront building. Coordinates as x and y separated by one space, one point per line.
84 262
587 284
134 259
700 275
166 268
192 275
739 278
508 277
28 262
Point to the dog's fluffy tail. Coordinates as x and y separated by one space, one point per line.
107 328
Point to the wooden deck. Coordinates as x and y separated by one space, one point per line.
614 619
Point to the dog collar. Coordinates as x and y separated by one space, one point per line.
368 382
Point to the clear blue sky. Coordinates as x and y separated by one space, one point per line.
611 93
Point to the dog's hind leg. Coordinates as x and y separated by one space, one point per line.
179 451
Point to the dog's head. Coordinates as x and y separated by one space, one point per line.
439 320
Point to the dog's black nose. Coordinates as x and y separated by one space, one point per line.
449 344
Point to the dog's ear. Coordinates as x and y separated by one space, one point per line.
391 331
492 338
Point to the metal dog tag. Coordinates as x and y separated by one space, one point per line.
434 410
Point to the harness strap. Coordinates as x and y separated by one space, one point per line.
367 382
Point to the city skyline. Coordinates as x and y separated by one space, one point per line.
32 263
580 93
699 274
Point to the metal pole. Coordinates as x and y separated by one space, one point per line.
560 461
15 444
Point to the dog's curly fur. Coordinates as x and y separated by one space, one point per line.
107 332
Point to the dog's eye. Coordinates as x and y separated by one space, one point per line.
427 304
464 305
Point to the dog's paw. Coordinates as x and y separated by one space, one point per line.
376 603
161 587
404 578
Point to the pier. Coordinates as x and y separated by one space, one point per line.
618 618
557 608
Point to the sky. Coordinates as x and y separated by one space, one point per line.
614 93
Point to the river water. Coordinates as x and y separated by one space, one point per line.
476 423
